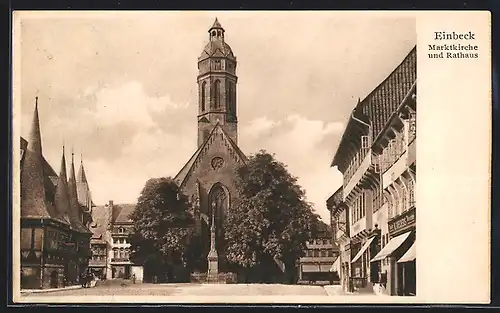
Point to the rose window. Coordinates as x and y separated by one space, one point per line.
217 163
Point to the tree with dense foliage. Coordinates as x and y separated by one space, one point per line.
163 229
270 221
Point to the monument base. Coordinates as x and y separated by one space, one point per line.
219 278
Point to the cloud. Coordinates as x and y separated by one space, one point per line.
123 103
124 138
297 142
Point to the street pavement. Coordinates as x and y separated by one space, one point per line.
125 291
145 289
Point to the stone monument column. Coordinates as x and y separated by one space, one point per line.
213 257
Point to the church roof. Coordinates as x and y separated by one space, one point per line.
187 168
217 48
216 24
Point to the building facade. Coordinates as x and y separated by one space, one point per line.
339 220
315 266
376 156
208 177
110 245
54 238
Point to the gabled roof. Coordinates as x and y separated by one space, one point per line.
100 221
378 106
121 213
335 198
181 177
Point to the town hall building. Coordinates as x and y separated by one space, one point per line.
208 178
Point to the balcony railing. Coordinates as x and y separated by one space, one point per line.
120 260
350 182
355 164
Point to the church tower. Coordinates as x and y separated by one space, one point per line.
217 86
208 177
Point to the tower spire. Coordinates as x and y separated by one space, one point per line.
82 177
32 174
61 198
76 214
216 31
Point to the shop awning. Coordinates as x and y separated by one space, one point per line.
335 266
315 268
308 268
363 249
410 255
391 246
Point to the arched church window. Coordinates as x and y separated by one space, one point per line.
218 202
203 87
217 94
214 33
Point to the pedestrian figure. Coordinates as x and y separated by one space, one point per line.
133 278
83 279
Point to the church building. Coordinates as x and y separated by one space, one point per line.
208 178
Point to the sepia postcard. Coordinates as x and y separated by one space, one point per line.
251 157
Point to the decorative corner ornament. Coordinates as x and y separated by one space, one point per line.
217 163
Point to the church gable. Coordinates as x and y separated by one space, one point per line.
218 53
217 157
204 120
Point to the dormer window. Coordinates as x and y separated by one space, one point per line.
121 230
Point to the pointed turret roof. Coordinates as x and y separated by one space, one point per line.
61 198
74 213
216 25
33 204
81 178
83 189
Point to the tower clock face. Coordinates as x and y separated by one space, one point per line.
217 163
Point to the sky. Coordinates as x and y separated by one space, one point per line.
120 89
